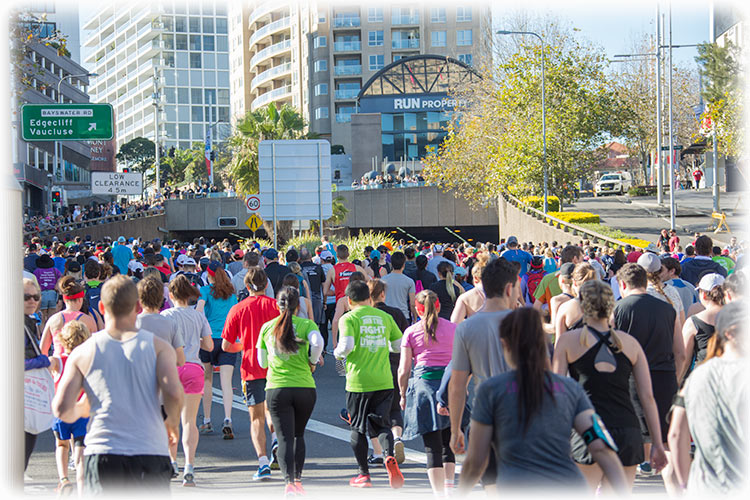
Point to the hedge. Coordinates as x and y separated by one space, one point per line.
636 242
576 217
553 202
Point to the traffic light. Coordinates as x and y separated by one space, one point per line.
56 198
213 155
125 170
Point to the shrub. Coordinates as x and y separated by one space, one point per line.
245 244
576 217
637 191
636 242
553 202
358 243
308 240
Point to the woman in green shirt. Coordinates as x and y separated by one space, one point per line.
290 346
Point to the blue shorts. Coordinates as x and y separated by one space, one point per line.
49 299
218 356
64 431
254 391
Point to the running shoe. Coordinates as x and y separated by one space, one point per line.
263 474
64 487
175 470
398 450
188 480
290 491
341 367
361 481
394 473
227 429
300 490
344 415
645 469
206 428
274 458
373 460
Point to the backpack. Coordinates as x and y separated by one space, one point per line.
533 278
94 294
419 286
194 279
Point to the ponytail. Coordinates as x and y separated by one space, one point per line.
449 286
655 280
283 330
428 304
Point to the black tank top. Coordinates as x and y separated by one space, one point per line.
703 334
608 392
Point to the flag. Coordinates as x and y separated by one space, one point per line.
208 152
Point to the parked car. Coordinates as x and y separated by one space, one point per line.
614 182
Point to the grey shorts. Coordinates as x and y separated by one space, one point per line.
49 299
254 391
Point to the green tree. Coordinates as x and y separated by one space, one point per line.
137 154
27 30
494 142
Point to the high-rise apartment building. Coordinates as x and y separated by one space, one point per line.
63 17
317 56
170 55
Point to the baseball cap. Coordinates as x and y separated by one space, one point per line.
134 266
213 266
239 252
121 239
326 255
460 271
438 248
511 240
652 249
271 254
375 255
181 259
650 262
188 261
710 281
537 262
566 270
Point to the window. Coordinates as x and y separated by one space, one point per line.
181 42
169 59
375 38
196 96
197 113
195 42
183 95
195 60
463 37
465 58
463 14
180 24
222 45
210 95
223 96
321 89
439 38
321 112
375 14
195 25
321 65
319 41
377 62
404 15
321 17
208 42
168 42
437 14
208 25
221 26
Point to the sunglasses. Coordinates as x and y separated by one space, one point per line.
28 296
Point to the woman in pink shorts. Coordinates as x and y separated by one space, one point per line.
196 333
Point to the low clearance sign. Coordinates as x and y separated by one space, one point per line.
130 183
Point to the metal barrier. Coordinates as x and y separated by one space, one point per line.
107 219
561 224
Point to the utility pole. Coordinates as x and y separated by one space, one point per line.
157 98
671 131
659 183
715 189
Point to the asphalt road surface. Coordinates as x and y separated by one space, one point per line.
227 466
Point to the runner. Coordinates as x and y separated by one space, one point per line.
565 281
549 286
342 307
375 269
367 335
274 270
516 254
694 269
425 279
73 295
429 344
315 277
122 255
528 413
339 275
400 289
655 273
283 348
241 333
446 289
216 299
472 301
602 361
73 334
699 328
47 275
126 443
151 298
570 314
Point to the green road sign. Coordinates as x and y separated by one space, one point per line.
66 122
674 148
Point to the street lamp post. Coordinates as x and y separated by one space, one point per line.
544 112
59 100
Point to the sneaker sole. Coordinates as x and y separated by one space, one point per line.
262 478
361 485
228 434
398 452
395 477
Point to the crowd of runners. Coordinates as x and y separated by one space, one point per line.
589 364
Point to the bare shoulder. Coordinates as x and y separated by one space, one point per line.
568 339
83 356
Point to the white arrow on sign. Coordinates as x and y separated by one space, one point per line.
92 126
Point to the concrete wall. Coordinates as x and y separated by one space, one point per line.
366 143
141 227
514 222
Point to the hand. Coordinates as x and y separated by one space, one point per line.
322 360
402 403
312 367
658 457
457 443
442 410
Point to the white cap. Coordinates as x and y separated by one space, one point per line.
710 281
189 262
134 266
650 262
325 255
181 259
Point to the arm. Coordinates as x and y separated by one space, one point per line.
679 444
180 354
328 282
459 311
476 458
537 304
170 387
412 310
46 340
310 313
457 400
200 305
646 396
560 356
340 310
64 404
40 361
404 370
678 349
344 347
207 343
227 346
688 342
262 355
602 454
316 346
560 322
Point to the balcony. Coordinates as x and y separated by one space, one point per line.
402 20
351 69
269 29
273 95
343 117
270 74
271 51
265 8
346 22
346 93
405 44
350 46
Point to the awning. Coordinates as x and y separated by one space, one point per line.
695 148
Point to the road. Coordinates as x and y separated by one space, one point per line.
643 218
226 467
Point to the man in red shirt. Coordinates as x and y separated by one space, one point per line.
241 332
674 241
338 276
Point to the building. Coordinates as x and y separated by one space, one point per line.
317 56
34 162
61 16
170 55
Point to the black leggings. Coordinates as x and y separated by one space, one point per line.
360 445
30 442
290 409
437 448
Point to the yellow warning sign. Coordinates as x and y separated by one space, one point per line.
254 222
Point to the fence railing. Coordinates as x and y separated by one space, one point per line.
568 227
107 219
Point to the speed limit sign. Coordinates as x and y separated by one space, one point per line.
252 203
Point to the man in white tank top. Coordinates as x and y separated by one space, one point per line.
122 371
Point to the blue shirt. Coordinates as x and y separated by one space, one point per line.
216 310
518 255
166 253
122 255
550 265
60 264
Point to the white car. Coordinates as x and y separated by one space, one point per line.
616 182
